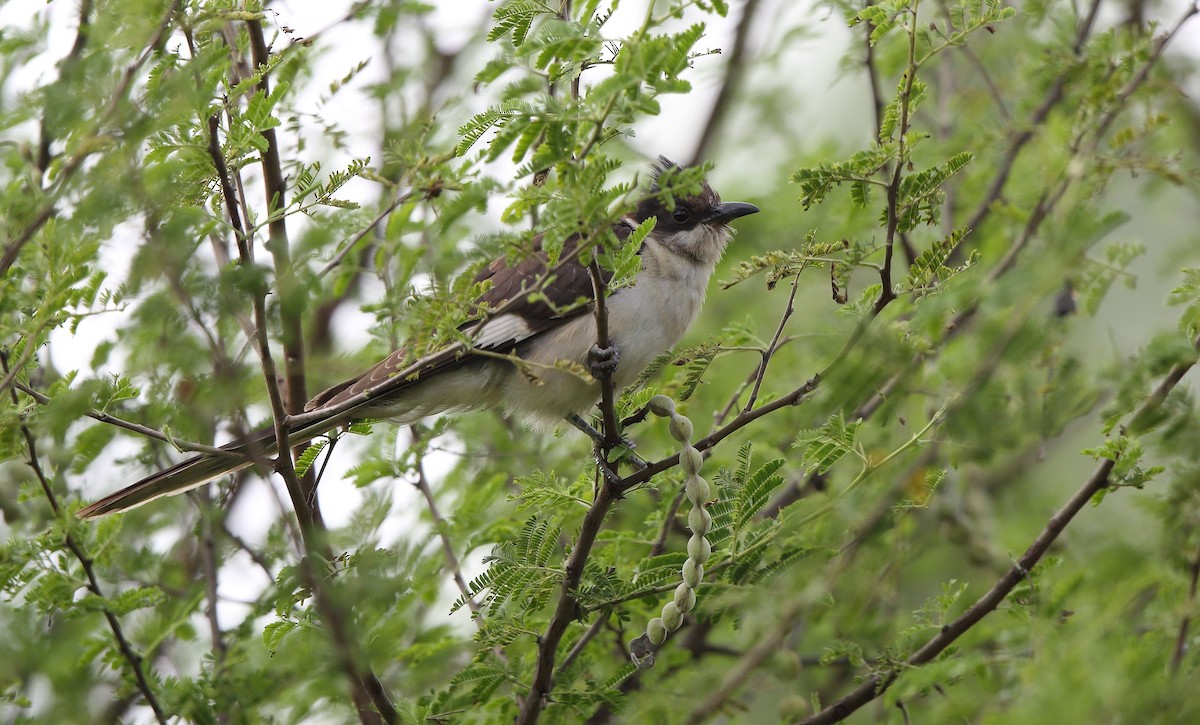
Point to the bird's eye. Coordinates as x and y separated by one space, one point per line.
680 215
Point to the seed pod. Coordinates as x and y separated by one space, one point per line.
697 490
671 618
661 405
700 521
656 631
681 428
692 573
699 549
691 460
685 598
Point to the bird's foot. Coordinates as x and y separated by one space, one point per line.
602 361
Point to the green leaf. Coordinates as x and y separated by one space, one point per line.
274 633
828 444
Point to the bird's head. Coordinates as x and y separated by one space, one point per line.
695 228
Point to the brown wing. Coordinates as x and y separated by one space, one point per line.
523 316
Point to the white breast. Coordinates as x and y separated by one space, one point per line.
644 321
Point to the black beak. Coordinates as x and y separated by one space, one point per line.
728 211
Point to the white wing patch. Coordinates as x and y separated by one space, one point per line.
499 331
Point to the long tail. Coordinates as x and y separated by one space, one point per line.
193 473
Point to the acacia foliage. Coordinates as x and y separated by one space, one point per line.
894 397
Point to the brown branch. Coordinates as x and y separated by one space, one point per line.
1185 622
875 685
567 609
132 658
291 295
367 691
887 293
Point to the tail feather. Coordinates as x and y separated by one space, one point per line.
192 473
184 476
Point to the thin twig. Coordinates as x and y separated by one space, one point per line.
735 676
660 541
157 435
887 292
132 658
788 311
1054 95
208 559
582 642
440 525
349 246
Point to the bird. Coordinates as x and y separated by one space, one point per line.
530 323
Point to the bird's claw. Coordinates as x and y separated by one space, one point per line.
612 477
602 361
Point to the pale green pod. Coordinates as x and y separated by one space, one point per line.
700 521
699 549
697 490
691 460
671 618
661 405
685 598
656 631
692 573
681 428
